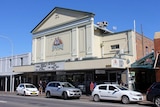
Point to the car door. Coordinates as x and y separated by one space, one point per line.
58 89
21 89
102 90
51 88
113 93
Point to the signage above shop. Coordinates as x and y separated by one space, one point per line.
49 66
118 63
57 44
100 72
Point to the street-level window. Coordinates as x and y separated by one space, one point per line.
103 87
111 88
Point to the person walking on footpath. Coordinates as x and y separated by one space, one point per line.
40 87
91 86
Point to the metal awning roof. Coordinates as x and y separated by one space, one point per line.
146 62
2 74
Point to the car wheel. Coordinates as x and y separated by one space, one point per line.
17 93
77 97
157 101
65 96
96 98
125 100
24 93
48 95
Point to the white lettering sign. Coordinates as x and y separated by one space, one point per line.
48 66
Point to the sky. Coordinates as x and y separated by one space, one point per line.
19 17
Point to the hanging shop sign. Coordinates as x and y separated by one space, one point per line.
100 72
49 66
117 63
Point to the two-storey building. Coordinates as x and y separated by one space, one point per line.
68 46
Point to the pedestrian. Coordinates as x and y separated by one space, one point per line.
121 83
40 87
95 84
91 86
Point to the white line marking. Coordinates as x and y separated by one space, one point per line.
3 101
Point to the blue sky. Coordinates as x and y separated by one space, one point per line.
19 17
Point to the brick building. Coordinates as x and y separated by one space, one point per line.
157 54
145 44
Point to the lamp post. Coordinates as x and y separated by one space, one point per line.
11 65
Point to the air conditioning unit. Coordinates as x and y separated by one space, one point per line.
105 23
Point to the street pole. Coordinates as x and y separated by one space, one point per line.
11 67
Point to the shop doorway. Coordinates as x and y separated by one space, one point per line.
112 77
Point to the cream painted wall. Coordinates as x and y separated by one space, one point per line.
59 17
74 29
117 39
97 48
126 42
79 40
58 53
82 41
21 69
76 43
88 64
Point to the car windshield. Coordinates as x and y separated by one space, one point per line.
122 87
30 86
66 84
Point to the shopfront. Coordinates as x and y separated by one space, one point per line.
142 73
79 78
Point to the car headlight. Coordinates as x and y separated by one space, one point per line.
27 89
133 94
70 90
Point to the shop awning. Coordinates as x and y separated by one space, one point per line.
146 62
8 74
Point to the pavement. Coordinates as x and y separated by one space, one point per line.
83 97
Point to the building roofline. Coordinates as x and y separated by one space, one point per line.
54 9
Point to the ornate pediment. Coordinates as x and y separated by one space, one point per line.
59 16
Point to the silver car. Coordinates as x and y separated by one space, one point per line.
62 89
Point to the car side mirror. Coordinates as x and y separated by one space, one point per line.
115 90
59 86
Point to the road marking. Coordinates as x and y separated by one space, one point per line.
1 101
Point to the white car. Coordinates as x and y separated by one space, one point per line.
115 92
27 89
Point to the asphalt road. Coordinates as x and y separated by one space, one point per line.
33 101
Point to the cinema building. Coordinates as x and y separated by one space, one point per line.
68 46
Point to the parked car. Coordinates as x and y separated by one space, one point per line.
153 93
27 89
115 92
62 89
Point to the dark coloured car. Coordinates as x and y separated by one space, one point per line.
153 93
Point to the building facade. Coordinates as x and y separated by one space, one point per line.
8 78
157 55
68 46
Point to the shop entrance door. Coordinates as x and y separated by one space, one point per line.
112 77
